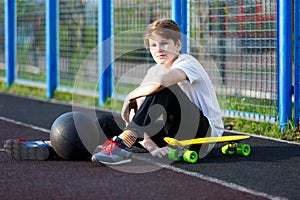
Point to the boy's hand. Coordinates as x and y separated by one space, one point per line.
154 150
128 110
160 152
125 112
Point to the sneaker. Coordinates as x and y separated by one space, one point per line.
112 152
133 149
27 150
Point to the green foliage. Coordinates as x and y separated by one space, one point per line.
291 133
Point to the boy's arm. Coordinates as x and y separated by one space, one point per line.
134 106
157 83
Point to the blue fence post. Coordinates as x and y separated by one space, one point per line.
180 12
284 61
296 61
105 50
52 44
10 41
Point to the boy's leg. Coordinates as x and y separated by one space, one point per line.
115 151
110 124
180 118
202 131
159 116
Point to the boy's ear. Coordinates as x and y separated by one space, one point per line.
179 45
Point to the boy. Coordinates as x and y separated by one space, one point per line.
177 89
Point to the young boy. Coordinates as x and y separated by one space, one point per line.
177 90
175 99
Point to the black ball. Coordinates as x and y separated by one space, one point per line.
74 136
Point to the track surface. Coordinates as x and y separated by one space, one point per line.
272 170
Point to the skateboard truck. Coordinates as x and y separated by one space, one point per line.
230 148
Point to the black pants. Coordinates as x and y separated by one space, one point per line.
167 113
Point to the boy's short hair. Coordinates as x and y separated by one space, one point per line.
165 28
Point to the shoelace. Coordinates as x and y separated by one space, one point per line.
109 146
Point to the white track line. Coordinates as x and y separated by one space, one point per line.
25 125
175 169
211 179
223 183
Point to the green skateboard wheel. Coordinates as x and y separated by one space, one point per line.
175 154
226 149
243 150
190 156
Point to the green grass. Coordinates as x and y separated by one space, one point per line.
68 97
262 106
291 133
23 90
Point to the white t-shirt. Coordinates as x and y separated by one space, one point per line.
200 91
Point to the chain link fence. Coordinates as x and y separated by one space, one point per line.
239 37
31 41
235 40
78 44
131 17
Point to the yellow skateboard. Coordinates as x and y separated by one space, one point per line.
229 147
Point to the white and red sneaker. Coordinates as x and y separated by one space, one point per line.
112 152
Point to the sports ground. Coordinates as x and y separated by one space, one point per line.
272 171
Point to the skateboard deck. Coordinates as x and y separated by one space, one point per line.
206 140
229 147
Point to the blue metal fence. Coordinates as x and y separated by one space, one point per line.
297 61
52 45
96 46
284 57
106 76
10 41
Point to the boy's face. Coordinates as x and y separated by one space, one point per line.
164 51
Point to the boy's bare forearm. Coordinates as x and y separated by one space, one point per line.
144 90
166 79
